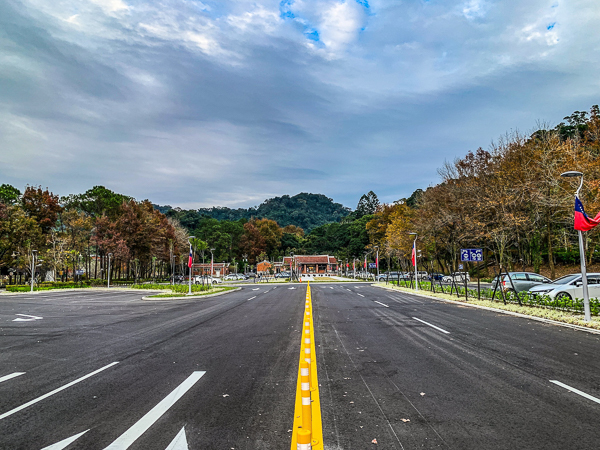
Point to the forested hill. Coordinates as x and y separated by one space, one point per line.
304 210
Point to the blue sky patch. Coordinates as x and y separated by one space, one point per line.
311 34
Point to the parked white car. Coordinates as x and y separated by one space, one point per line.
199 279
569 287
458 277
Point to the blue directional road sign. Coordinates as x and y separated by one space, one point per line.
471 254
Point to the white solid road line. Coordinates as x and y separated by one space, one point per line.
29 318
124 441
432 326
12 375
359 294
65 442
251 298
382 304
576 391
55 391
180 442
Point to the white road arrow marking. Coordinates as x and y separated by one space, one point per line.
12 375
180 442
124 441
30 318
55 391
382 304
65 442
255 289
292 288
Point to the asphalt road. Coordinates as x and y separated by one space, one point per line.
407 371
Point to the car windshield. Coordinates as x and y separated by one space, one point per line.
566 279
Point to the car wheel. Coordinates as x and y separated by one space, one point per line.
214 282
196 282
563 296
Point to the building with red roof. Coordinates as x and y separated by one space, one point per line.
311 264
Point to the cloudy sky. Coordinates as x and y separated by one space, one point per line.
202 103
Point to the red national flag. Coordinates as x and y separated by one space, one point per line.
365 262
377 261
414 255
582 221
190 258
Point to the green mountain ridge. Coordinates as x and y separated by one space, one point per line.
304 210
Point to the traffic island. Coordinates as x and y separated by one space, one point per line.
205 294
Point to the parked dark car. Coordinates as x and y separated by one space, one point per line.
436 276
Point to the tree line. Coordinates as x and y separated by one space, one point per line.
509 200
76 234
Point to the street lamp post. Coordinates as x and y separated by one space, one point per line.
33 252
377 260
415 258
291 267
211 262
109 256
190 264
584 284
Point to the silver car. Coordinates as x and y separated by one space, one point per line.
569 287
522 281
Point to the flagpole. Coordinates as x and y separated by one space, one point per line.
190 264
584 284
415 260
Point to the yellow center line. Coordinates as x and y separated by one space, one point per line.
317 425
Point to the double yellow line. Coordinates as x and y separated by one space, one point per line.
308 428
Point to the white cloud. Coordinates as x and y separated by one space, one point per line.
474 9
111 6
258 20
340 24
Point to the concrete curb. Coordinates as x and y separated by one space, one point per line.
503 311
192 296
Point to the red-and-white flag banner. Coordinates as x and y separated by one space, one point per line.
414 255
190 258
582 221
